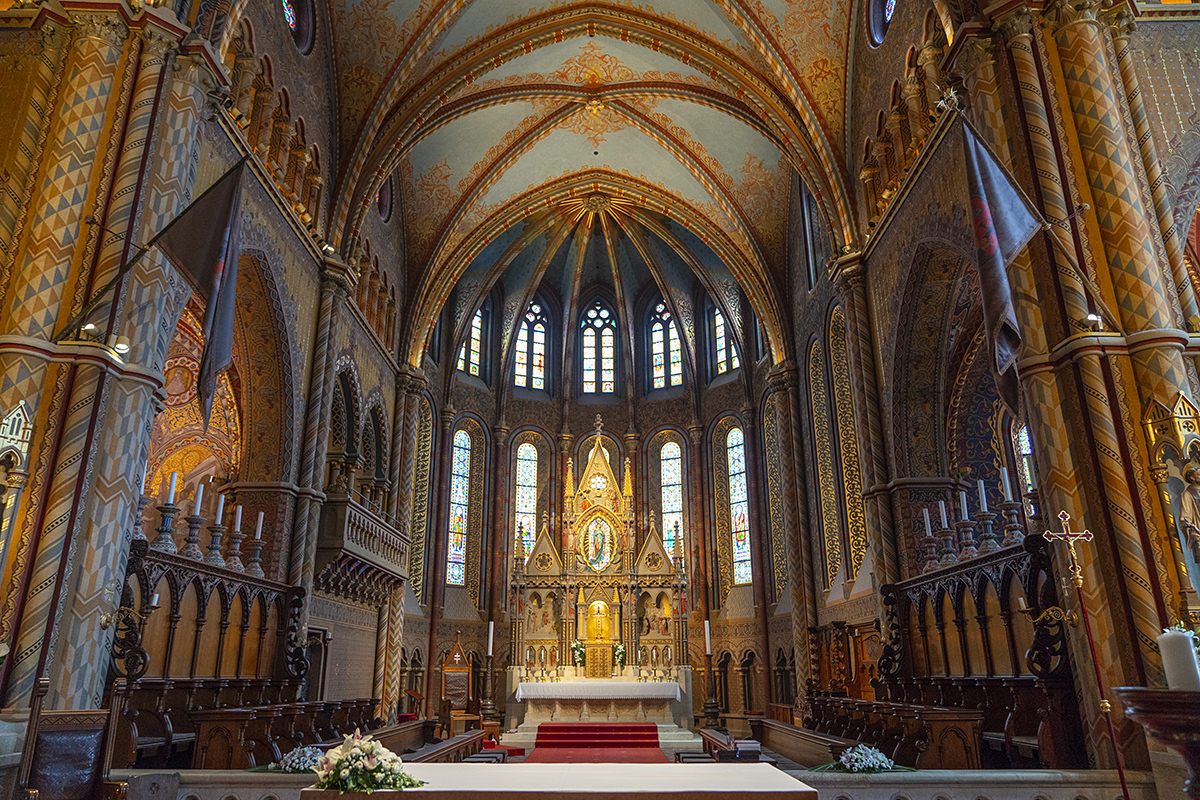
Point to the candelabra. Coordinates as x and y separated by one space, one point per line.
487 706
191 546
213 556
253 562
234 560
712 711
948 557
931 553
143 501
966 539
165 541
1013 534
987 537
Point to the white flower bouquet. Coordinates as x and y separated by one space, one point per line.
577 652
619 655
300 759
861 758
361 764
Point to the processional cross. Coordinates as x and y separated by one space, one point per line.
1071 537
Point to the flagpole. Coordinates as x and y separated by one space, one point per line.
94 303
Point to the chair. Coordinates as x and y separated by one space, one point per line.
67 753
457 690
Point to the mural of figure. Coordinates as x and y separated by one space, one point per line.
1189 511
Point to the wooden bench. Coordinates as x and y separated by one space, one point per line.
455 748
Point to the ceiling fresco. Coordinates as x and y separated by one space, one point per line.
491 112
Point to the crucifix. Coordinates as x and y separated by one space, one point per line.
1071 537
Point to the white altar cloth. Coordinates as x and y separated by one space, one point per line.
598 689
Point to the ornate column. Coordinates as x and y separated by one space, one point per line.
246 68
437 565
849 278
502 534
760 555
700 553
337 284
395 635
783 384
1122 28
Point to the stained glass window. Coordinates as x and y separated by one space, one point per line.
460 486
724 352
470 355
889 8
526 500
530 367
739 504
599 350
289 13
666 353
670 460
1025 459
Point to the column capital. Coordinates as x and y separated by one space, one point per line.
1064 13
848 268
783 376
1015 23
338 274
104 27
1121 21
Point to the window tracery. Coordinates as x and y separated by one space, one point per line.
460 488
725 355
739 505
599 339
671 485
666 350
529 370
526 499
470 354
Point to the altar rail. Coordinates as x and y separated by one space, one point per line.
942 785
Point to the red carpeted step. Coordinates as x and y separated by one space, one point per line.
607 755
597 736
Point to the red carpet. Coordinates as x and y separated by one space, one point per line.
596 743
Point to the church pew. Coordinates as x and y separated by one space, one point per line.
455 748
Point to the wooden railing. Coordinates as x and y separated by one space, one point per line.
453 749
781 712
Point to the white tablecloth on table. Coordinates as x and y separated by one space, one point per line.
598 690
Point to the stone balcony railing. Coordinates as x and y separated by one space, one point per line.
355 540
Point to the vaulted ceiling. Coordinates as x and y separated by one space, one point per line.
493 111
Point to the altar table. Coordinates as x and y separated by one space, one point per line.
598 701
594 782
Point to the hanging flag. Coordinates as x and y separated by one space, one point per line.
203 243
1003 223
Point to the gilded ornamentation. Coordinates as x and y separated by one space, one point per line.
831 529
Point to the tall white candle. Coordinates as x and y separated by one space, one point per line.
199 498
982 495
171 489
962 503
142 491
258 526
237 518
1179 660
491 630
942 512
707 639
1005 485
220 509
928 526
154 599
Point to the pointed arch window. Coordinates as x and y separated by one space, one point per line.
666 350
530 362
599 350
470 355
847 443
670 460
823 451
289 13
724 352
1024 452
460 489
526 499
739 504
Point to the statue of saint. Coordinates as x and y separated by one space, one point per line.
1189 510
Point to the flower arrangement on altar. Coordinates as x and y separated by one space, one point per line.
862 759
619 655
361 764
300 759
577 652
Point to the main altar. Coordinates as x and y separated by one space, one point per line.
598 588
